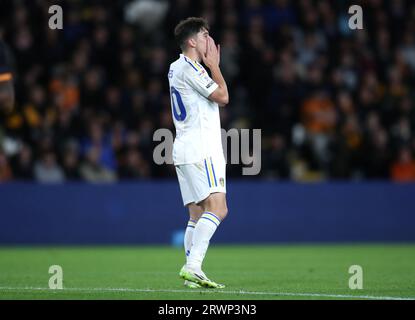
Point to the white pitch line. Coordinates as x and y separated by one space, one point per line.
241 292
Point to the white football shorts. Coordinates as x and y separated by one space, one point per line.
198 180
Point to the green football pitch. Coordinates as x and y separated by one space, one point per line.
249 272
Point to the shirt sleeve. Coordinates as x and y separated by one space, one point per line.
200 81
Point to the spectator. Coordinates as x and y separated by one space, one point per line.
276 161
47 170
5 170
135 167
403 169
71 162
92 171
23 168
97 139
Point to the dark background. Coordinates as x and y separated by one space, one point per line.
332 103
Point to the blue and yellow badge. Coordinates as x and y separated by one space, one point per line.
222 182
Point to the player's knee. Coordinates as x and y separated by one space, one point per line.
194 216
225 213
195 211
217 205
222 212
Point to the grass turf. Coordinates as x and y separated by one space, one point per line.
285 271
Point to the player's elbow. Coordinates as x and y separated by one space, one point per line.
220 96
224 100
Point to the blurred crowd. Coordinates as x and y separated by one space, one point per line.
332 103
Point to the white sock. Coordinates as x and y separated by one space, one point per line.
203 232
188 237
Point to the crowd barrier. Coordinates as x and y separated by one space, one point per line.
151 212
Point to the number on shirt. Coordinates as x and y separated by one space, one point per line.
179 111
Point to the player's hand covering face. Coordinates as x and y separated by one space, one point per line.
212 55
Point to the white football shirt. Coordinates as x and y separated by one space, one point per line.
196 118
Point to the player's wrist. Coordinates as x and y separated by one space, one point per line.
213 65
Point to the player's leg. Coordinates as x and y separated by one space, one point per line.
209 187
189 202
195 212
216 203
214 211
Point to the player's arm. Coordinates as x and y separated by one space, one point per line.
211 59
220 95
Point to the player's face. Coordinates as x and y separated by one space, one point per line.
201 41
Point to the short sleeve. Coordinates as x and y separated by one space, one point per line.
200 81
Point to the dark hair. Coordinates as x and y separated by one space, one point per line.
187 28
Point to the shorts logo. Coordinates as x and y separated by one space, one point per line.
222 182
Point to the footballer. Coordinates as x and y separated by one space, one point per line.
197 151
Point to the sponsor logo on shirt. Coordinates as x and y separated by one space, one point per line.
210 84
